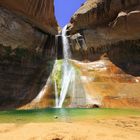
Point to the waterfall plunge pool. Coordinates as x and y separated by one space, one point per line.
63 115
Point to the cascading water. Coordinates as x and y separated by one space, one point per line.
68 85
71 85
67 69
56 94
76 91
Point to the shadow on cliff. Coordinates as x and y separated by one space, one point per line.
23 78
126 56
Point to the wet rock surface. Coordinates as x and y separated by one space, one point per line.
109 86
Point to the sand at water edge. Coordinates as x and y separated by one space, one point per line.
126 128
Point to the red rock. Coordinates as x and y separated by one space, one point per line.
38 12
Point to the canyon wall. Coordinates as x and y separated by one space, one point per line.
27 49
103 22
38 12
111 31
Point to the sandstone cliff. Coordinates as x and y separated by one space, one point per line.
38 12
111 31
105 21
27 49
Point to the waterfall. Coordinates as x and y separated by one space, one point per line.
67 69
76 91
66 46
68 86
71 85
56 94
42 92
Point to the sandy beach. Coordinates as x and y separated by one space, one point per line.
122 128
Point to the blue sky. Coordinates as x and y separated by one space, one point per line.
64 9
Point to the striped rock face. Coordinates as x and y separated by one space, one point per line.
38 12
111 32
27 36
104 23
96 13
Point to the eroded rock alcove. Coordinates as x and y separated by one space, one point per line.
110 29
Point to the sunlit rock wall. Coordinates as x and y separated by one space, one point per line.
103 22
111 32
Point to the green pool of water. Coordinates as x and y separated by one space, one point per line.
60 115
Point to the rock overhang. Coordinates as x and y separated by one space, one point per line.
107 22
40 13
